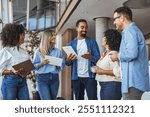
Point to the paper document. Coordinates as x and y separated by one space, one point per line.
24 67
54 60
68 50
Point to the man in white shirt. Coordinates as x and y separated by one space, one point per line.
87 55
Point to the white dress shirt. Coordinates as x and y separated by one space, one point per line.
11 56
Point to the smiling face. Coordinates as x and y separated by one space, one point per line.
21 40
118 21
82 29
104 42
53 39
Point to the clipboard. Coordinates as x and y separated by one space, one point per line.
68 50
54 60
25 67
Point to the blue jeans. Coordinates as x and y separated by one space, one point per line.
48 85
14 87
88 84
110 90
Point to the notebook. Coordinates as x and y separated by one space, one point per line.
25 67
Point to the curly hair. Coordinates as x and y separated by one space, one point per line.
10 34
113 38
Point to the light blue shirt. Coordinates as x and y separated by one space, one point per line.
134 60
11 56
48 68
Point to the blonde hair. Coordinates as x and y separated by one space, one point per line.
45 42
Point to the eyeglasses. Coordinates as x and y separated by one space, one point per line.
116 18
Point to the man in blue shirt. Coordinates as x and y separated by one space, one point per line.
132 55
87 55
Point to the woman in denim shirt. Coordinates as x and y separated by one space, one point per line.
47 74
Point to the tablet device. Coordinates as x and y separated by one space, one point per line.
54 60
25 67
68 50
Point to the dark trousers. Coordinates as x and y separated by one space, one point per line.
88 84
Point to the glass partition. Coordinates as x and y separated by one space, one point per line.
43 14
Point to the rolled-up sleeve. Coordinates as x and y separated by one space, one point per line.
36 60
116 69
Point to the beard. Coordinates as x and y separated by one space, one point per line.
83 34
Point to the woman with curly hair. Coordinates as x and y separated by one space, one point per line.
14 86
108 71
47 74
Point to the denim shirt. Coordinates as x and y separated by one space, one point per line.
48 68
93 49
134 60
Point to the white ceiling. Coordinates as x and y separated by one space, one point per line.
89 9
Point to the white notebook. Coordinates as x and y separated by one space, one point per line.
68 50
54 60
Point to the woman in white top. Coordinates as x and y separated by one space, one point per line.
107 71
14 86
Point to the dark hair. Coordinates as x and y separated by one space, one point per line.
10 34
113 39
125 11
80 20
